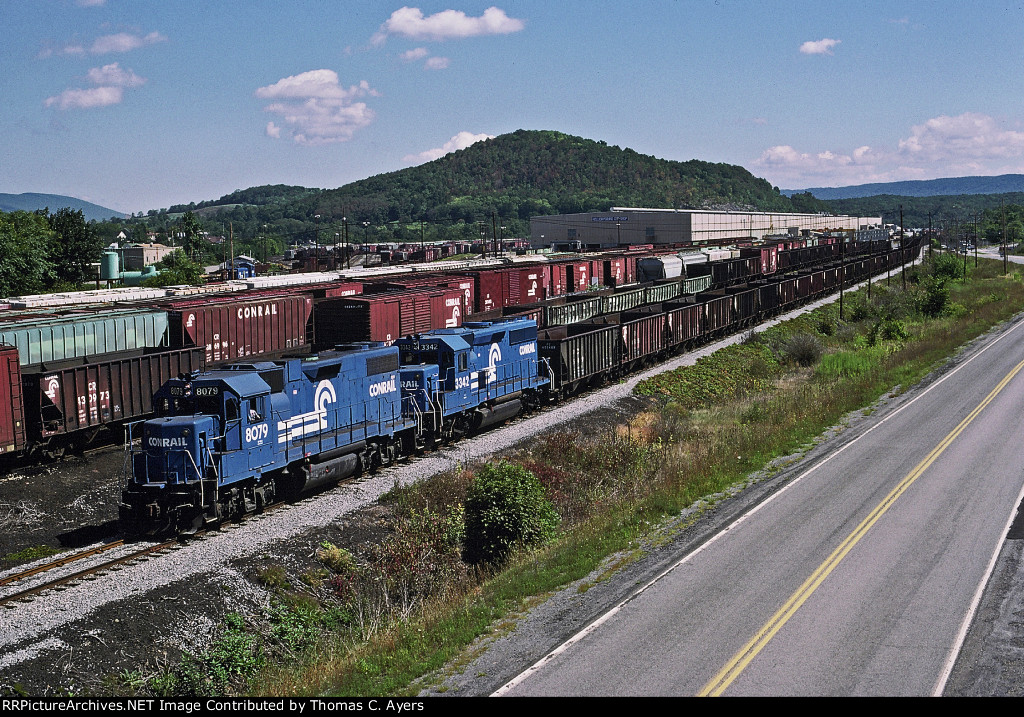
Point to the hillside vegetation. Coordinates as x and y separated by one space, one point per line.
505 180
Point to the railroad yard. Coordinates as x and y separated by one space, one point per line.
79 638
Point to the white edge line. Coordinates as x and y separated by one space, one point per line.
535 667
961 637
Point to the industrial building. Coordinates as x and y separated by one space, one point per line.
629 225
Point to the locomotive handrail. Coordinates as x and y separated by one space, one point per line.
213 463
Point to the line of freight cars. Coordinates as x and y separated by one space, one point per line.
231 441
77 372
590 352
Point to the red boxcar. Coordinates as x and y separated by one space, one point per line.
453 281
768 256
387 317
12 412
498 288
336 290
228 330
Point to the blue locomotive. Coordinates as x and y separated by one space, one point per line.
233 440
461 380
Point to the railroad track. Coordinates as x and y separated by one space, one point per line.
29 593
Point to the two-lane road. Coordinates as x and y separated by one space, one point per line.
858 577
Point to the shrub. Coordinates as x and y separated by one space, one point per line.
803 349
946 267
505 508
894 330
935 297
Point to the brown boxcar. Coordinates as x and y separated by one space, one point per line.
72 404
498 288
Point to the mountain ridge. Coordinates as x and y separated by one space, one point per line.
31 201
946 186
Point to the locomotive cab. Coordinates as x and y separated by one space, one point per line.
210 427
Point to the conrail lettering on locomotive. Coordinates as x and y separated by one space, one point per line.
382 387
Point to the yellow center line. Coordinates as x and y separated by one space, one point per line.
741 659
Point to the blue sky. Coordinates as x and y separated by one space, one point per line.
140 104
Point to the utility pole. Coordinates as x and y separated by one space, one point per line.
977 218
842 272
316 244
494 231
1004 245
929 235
903 258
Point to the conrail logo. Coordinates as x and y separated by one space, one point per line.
527 349
166 442
382 387
258 311
312 421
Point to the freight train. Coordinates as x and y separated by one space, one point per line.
78 366
230 441
233 440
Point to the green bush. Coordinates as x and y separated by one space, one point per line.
894 330
803 349
946 267
936 295
505 508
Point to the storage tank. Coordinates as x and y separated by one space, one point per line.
108 266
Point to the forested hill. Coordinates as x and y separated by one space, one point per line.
529 173
509 178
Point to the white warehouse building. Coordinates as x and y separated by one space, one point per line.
623 226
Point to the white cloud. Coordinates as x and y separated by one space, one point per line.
968 137
317 108
85 99
413 55
123 42
819 47
90 3
970 143
113 75
421 53
448 24
460 141
111 80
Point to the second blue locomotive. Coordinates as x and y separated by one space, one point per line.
231 441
